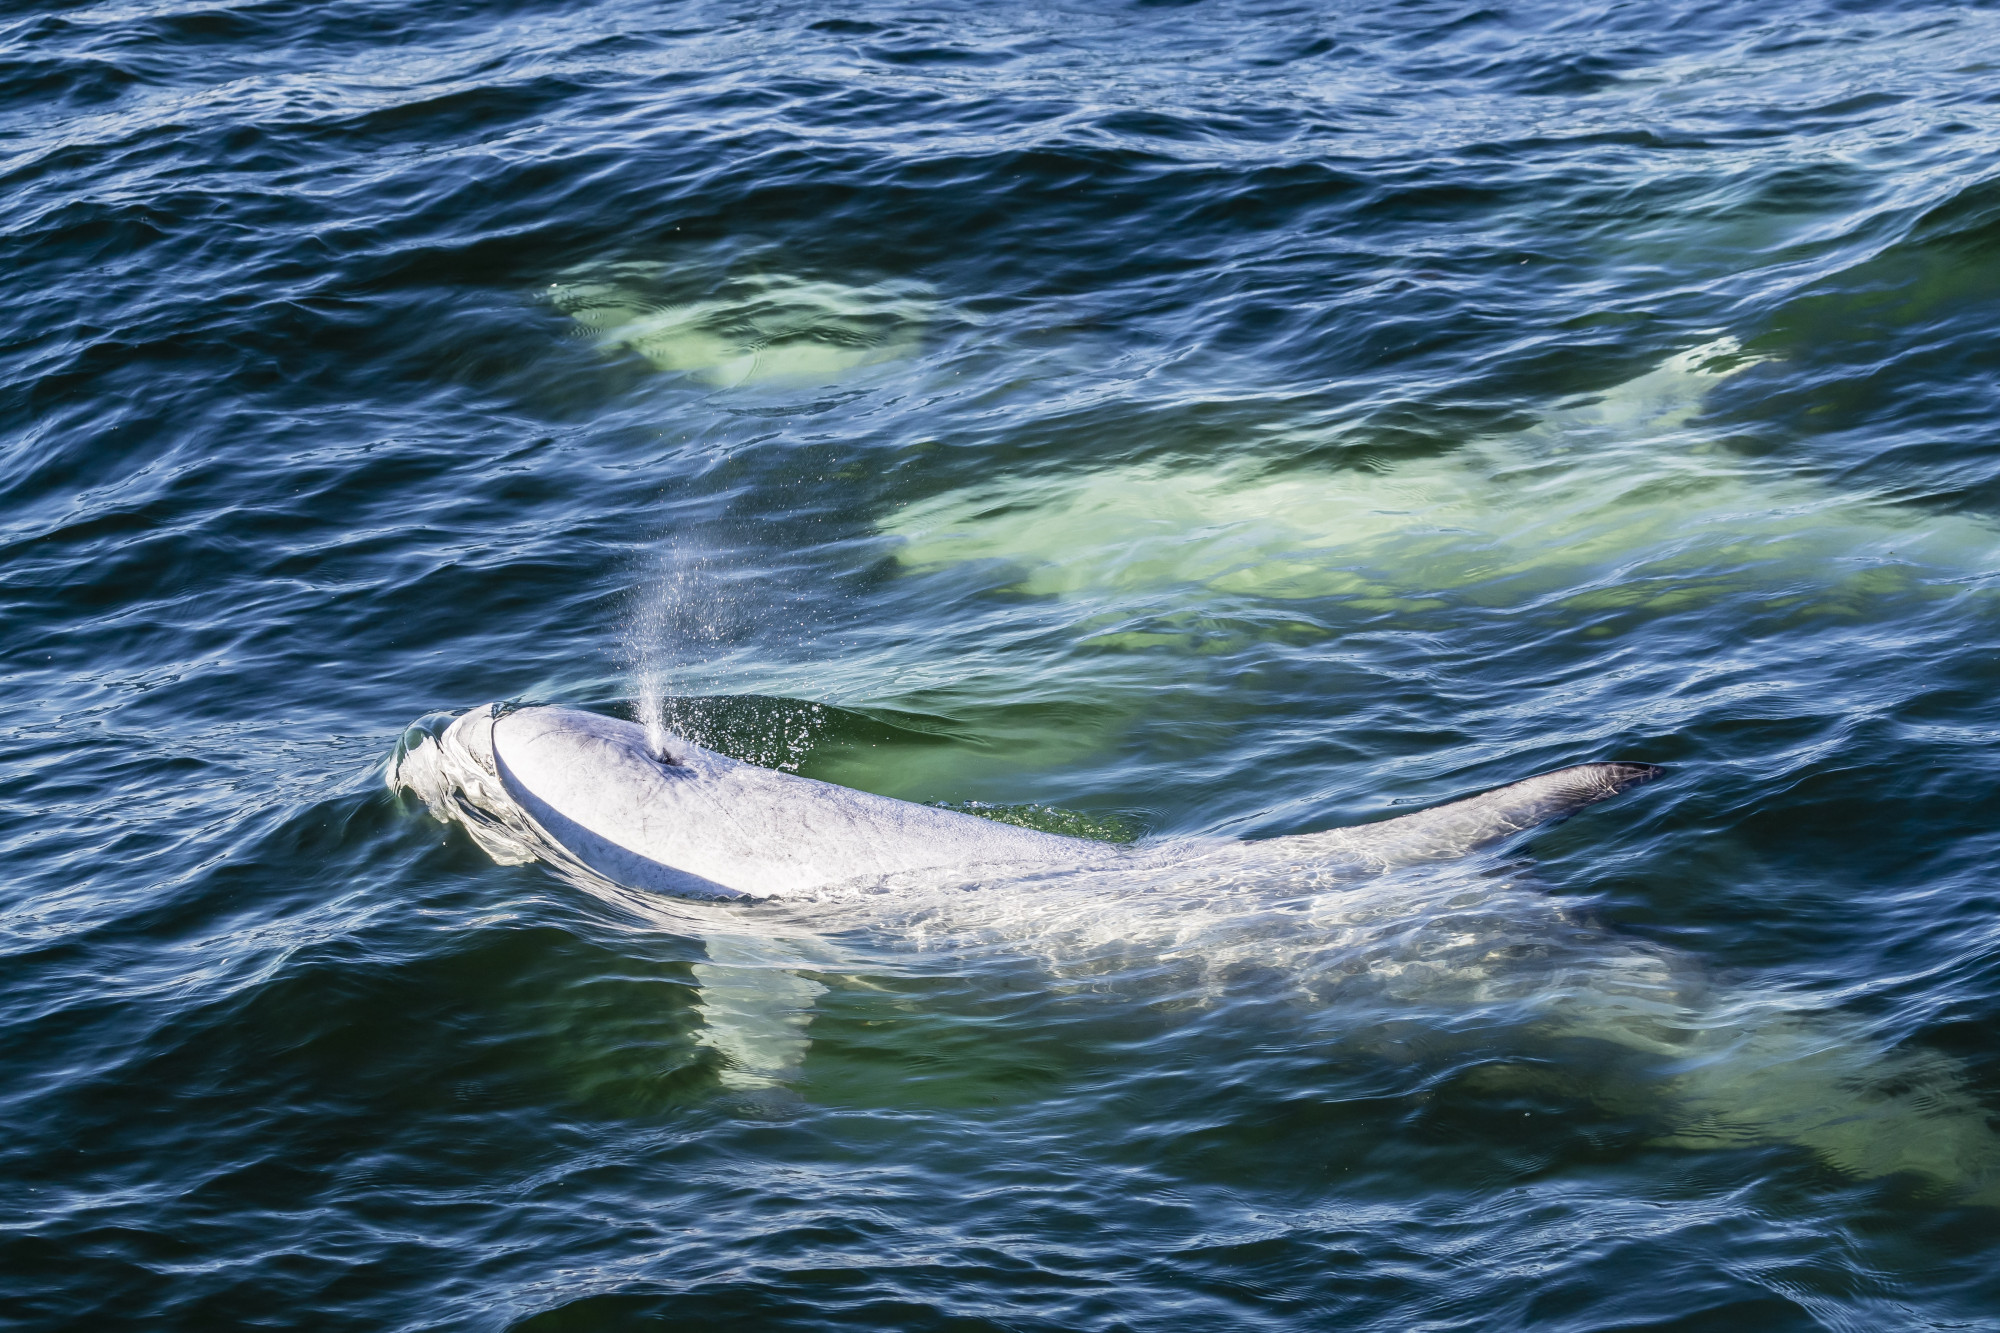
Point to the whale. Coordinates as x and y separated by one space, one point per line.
747 330
1429 922
1623 503
599 794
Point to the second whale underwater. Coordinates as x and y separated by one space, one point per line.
769 869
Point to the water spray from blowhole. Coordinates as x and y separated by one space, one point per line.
676 621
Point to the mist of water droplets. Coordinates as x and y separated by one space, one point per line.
679 620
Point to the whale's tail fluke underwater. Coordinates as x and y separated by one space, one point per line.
787 864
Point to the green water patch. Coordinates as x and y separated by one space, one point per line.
797 735
622 1040
939 1041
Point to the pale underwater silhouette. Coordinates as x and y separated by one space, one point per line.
1617 501
747 330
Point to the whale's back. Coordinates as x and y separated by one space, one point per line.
1460 828
576 788
712 825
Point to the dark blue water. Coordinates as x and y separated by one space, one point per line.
1225 418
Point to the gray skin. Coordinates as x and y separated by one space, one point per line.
589 792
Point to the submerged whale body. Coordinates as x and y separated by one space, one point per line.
589 792
752 329
1619 502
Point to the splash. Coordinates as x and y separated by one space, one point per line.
678 621
706 622
645 645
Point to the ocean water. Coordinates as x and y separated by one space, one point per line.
1135 420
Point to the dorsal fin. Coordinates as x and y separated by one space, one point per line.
1462 827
